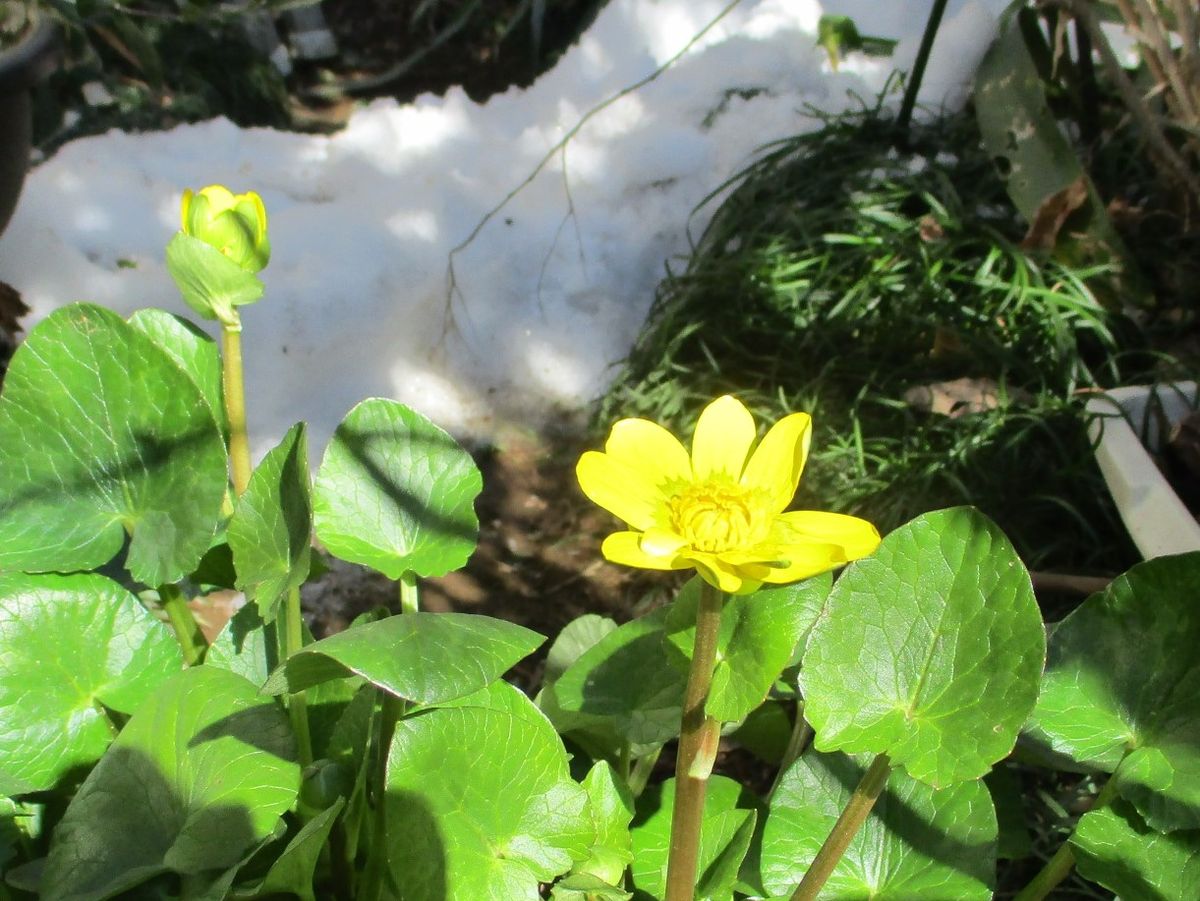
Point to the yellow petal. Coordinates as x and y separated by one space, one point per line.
662 542
651 449
856 537
776 464
722 440
184 206
219 197
803 560
719 573
625 548
623 491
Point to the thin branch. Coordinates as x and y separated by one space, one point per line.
451 279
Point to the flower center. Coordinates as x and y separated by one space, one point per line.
716 516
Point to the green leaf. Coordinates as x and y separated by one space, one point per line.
577 636
70 647
1114 847
270 532
724 839
480 805
611 807
582 887
211 283
292 872
192 350
88 452
929 650
199 775
918 842
766 731
759 633
396 493
628 680
1123 676
422 657
245 646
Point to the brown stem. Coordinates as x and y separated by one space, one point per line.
844 830
698 738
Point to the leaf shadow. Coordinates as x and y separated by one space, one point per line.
360 444
415 838
128 826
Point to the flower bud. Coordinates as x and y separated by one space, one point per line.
234 224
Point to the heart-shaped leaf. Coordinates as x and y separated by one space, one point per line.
102 436
459 829
192 350
270 532
396 493
200 774
724 839
1123 681
1114 847
759 633
423 657
629 680
935 637
71 648
917 842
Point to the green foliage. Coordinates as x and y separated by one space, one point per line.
424 657
197 777
921 842
936 635
270 532
837 276
95 652
396 493
729 820
759 634
1116 848
493 832
391 760
1122 689
89 455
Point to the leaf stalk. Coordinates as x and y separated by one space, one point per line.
187 631
853 815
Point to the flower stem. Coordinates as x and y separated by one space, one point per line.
187 631
1059 866
844 830
698 739
297 704
410 598
235 406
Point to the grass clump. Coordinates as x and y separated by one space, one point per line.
842 277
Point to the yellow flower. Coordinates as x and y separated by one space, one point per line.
234 224
721 508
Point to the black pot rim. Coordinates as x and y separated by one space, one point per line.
31 60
